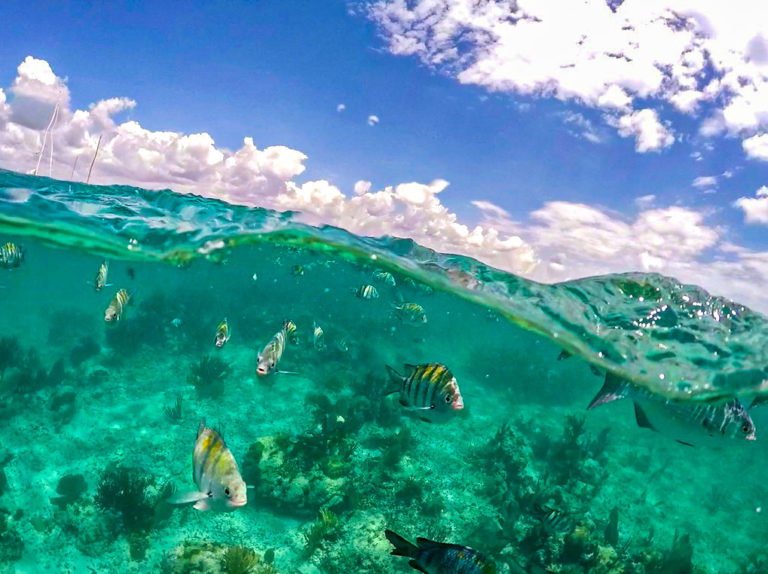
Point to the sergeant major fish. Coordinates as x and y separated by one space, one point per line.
430 391
271 354
318 337
11 255
384 277
117 306
367 292
100 281
691 424
222 334
440 558
291 332
215 473
410 313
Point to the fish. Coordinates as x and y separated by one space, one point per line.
222 334
554 521
297 270
342 345
691 424
384 277
429 390
11 255
291 332
318 337
367 292
100 281
410 313
255 277
270 355
117 306
433 557
215 472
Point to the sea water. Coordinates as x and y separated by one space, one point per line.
99 419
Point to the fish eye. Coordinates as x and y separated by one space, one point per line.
745 428
447 398
226 491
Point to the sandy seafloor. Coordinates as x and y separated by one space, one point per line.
716 496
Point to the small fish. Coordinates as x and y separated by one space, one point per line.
271 354
688 423
11 255
215 473
342 345
554 521
411 313
177 322
100 281
291 332
433 557
429 390
297 270
318 337
367 292
384 277
116 307
222 334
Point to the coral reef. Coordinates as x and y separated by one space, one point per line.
321 529
211 558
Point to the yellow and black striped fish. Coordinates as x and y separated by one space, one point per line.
100 281
11 255
430 390
554 521
318 337
411 313
384 277
116 307
215 473
291 332
270 355
222 334
367 292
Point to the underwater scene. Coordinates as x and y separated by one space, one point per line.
192 386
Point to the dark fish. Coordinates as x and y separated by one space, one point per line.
430 390
688 423
131 273
554 521
433 557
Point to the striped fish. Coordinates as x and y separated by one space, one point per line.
271 354
318 337
100 281
291 332
440 558
411 313
11 255
116 307
222 334
384 277
367 292
554 521
215 473
430 391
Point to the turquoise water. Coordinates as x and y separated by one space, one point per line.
94 441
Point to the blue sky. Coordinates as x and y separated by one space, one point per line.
276 71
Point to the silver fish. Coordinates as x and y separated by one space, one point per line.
318 337
411 313
430 391
216 475
691 424
222 334
384 277
100 281
271 354
116 307
367 292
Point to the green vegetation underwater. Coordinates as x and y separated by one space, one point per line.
100 417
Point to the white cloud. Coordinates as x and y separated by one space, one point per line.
756 147
755 208
341 108
562 240
705 181
373 120
650 134
645 201
599 54
581 127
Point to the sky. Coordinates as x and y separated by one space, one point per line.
550 138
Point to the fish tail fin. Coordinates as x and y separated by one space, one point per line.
396 380
401 546
613 389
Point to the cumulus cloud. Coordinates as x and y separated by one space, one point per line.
562 240
755 208
605 55
341 108
373 120
756 147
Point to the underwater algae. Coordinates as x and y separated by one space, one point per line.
100 417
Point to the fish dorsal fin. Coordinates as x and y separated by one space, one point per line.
642 418
613 389
564 355
416 566
201 428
